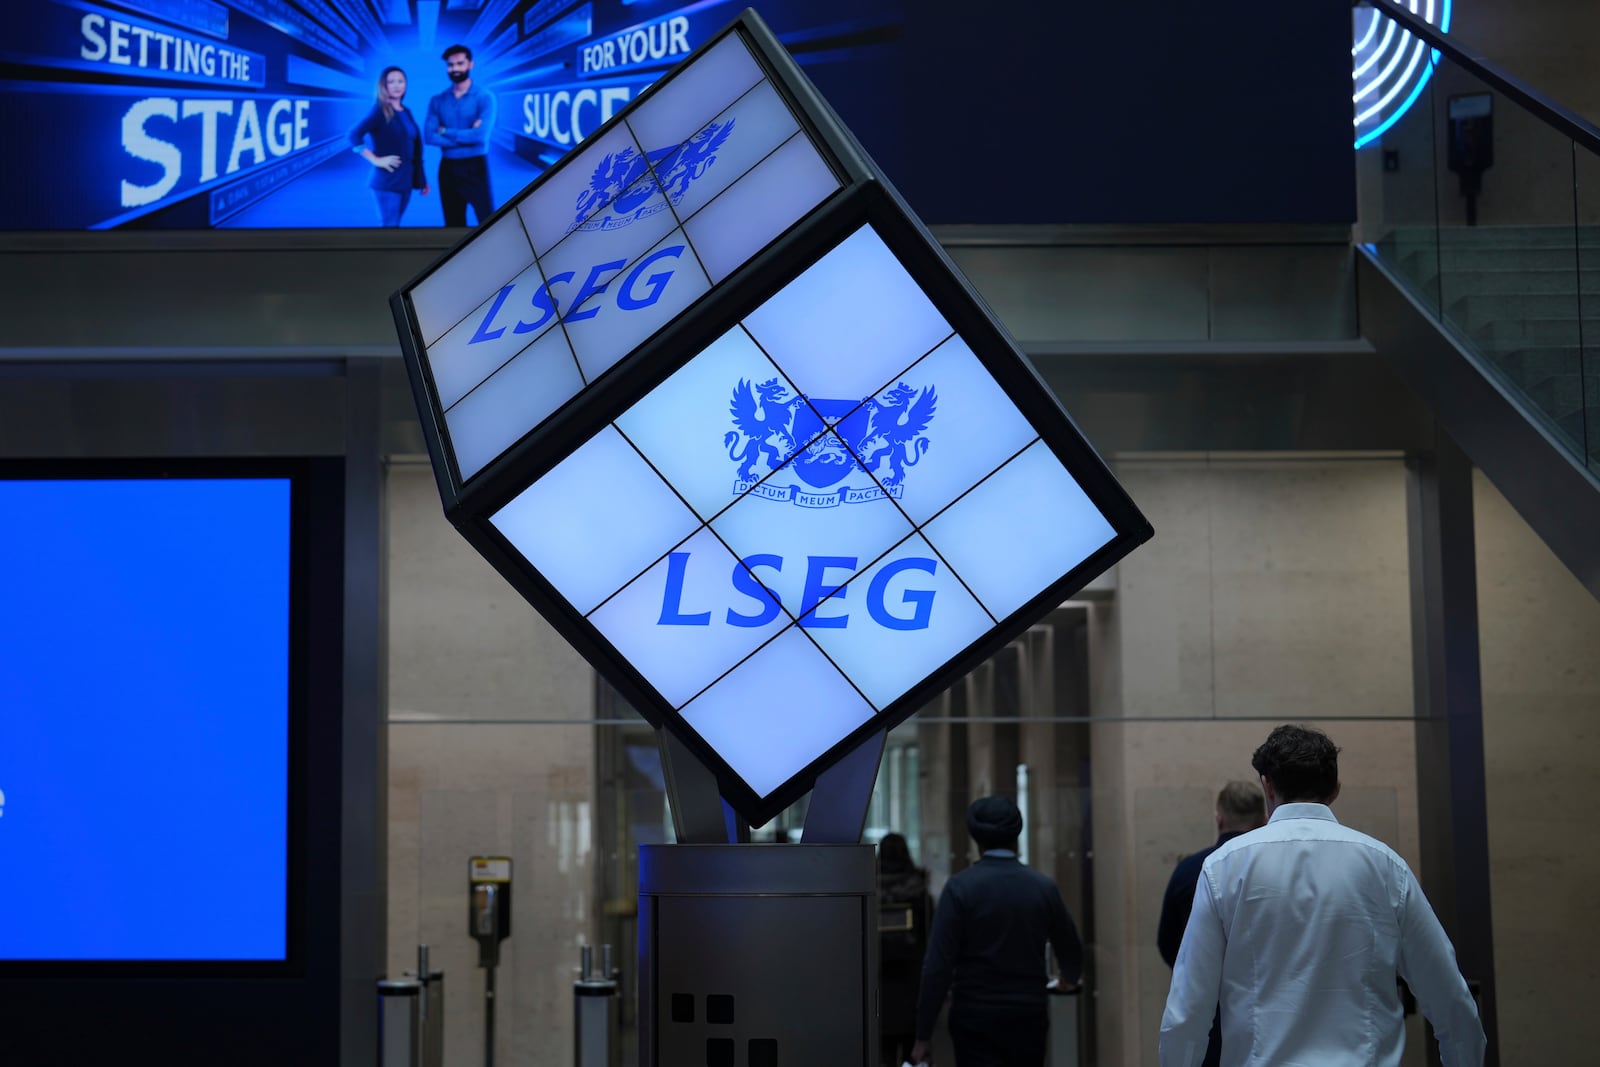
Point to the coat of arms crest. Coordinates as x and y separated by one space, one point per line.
865 454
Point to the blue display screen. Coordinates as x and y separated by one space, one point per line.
144 719
251 114
201 114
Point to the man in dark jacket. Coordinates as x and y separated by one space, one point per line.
1240 809
987 949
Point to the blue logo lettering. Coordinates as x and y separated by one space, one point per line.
632 295
593 287
745 583
483 333
542 301
671 604
628 299
921 599
818 590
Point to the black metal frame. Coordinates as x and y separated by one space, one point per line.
299 696
865 199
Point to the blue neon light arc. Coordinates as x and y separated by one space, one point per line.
1373 86
1377 53
1372 28
1364 139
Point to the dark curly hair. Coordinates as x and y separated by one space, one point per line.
1302 763
894 854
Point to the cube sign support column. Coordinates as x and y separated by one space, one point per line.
714 401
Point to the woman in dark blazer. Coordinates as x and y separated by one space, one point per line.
390 140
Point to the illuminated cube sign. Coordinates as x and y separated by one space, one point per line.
713 401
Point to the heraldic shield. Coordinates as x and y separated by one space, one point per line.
714 401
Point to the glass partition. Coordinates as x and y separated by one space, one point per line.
1277 591
1396 188
1586 169
1483 207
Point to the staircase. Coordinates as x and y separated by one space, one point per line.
1526 300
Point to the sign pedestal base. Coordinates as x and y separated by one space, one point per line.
758 955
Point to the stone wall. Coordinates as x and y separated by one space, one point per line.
464 651
1540 645
1274 591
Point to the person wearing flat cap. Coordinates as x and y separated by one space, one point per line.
986 950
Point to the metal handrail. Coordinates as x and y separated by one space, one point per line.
1569 123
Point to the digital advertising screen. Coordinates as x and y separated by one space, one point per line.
145 719
708 397
261 114
808 518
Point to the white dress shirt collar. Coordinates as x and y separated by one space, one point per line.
1303 811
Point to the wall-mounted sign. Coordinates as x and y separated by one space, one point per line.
239 113
710 397
254 113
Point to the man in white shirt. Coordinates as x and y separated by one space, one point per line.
1299 929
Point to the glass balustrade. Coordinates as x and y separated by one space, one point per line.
1485 204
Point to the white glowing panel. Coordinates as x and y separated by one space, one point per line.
1020 530
813 500
731 387
617 319
778 711
691 617
823 517
514 400
907 616
758 207
805 494
489 336
979 428
740 137
595 520
584 190
463 282
850 323
592 255
695 95
597 247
